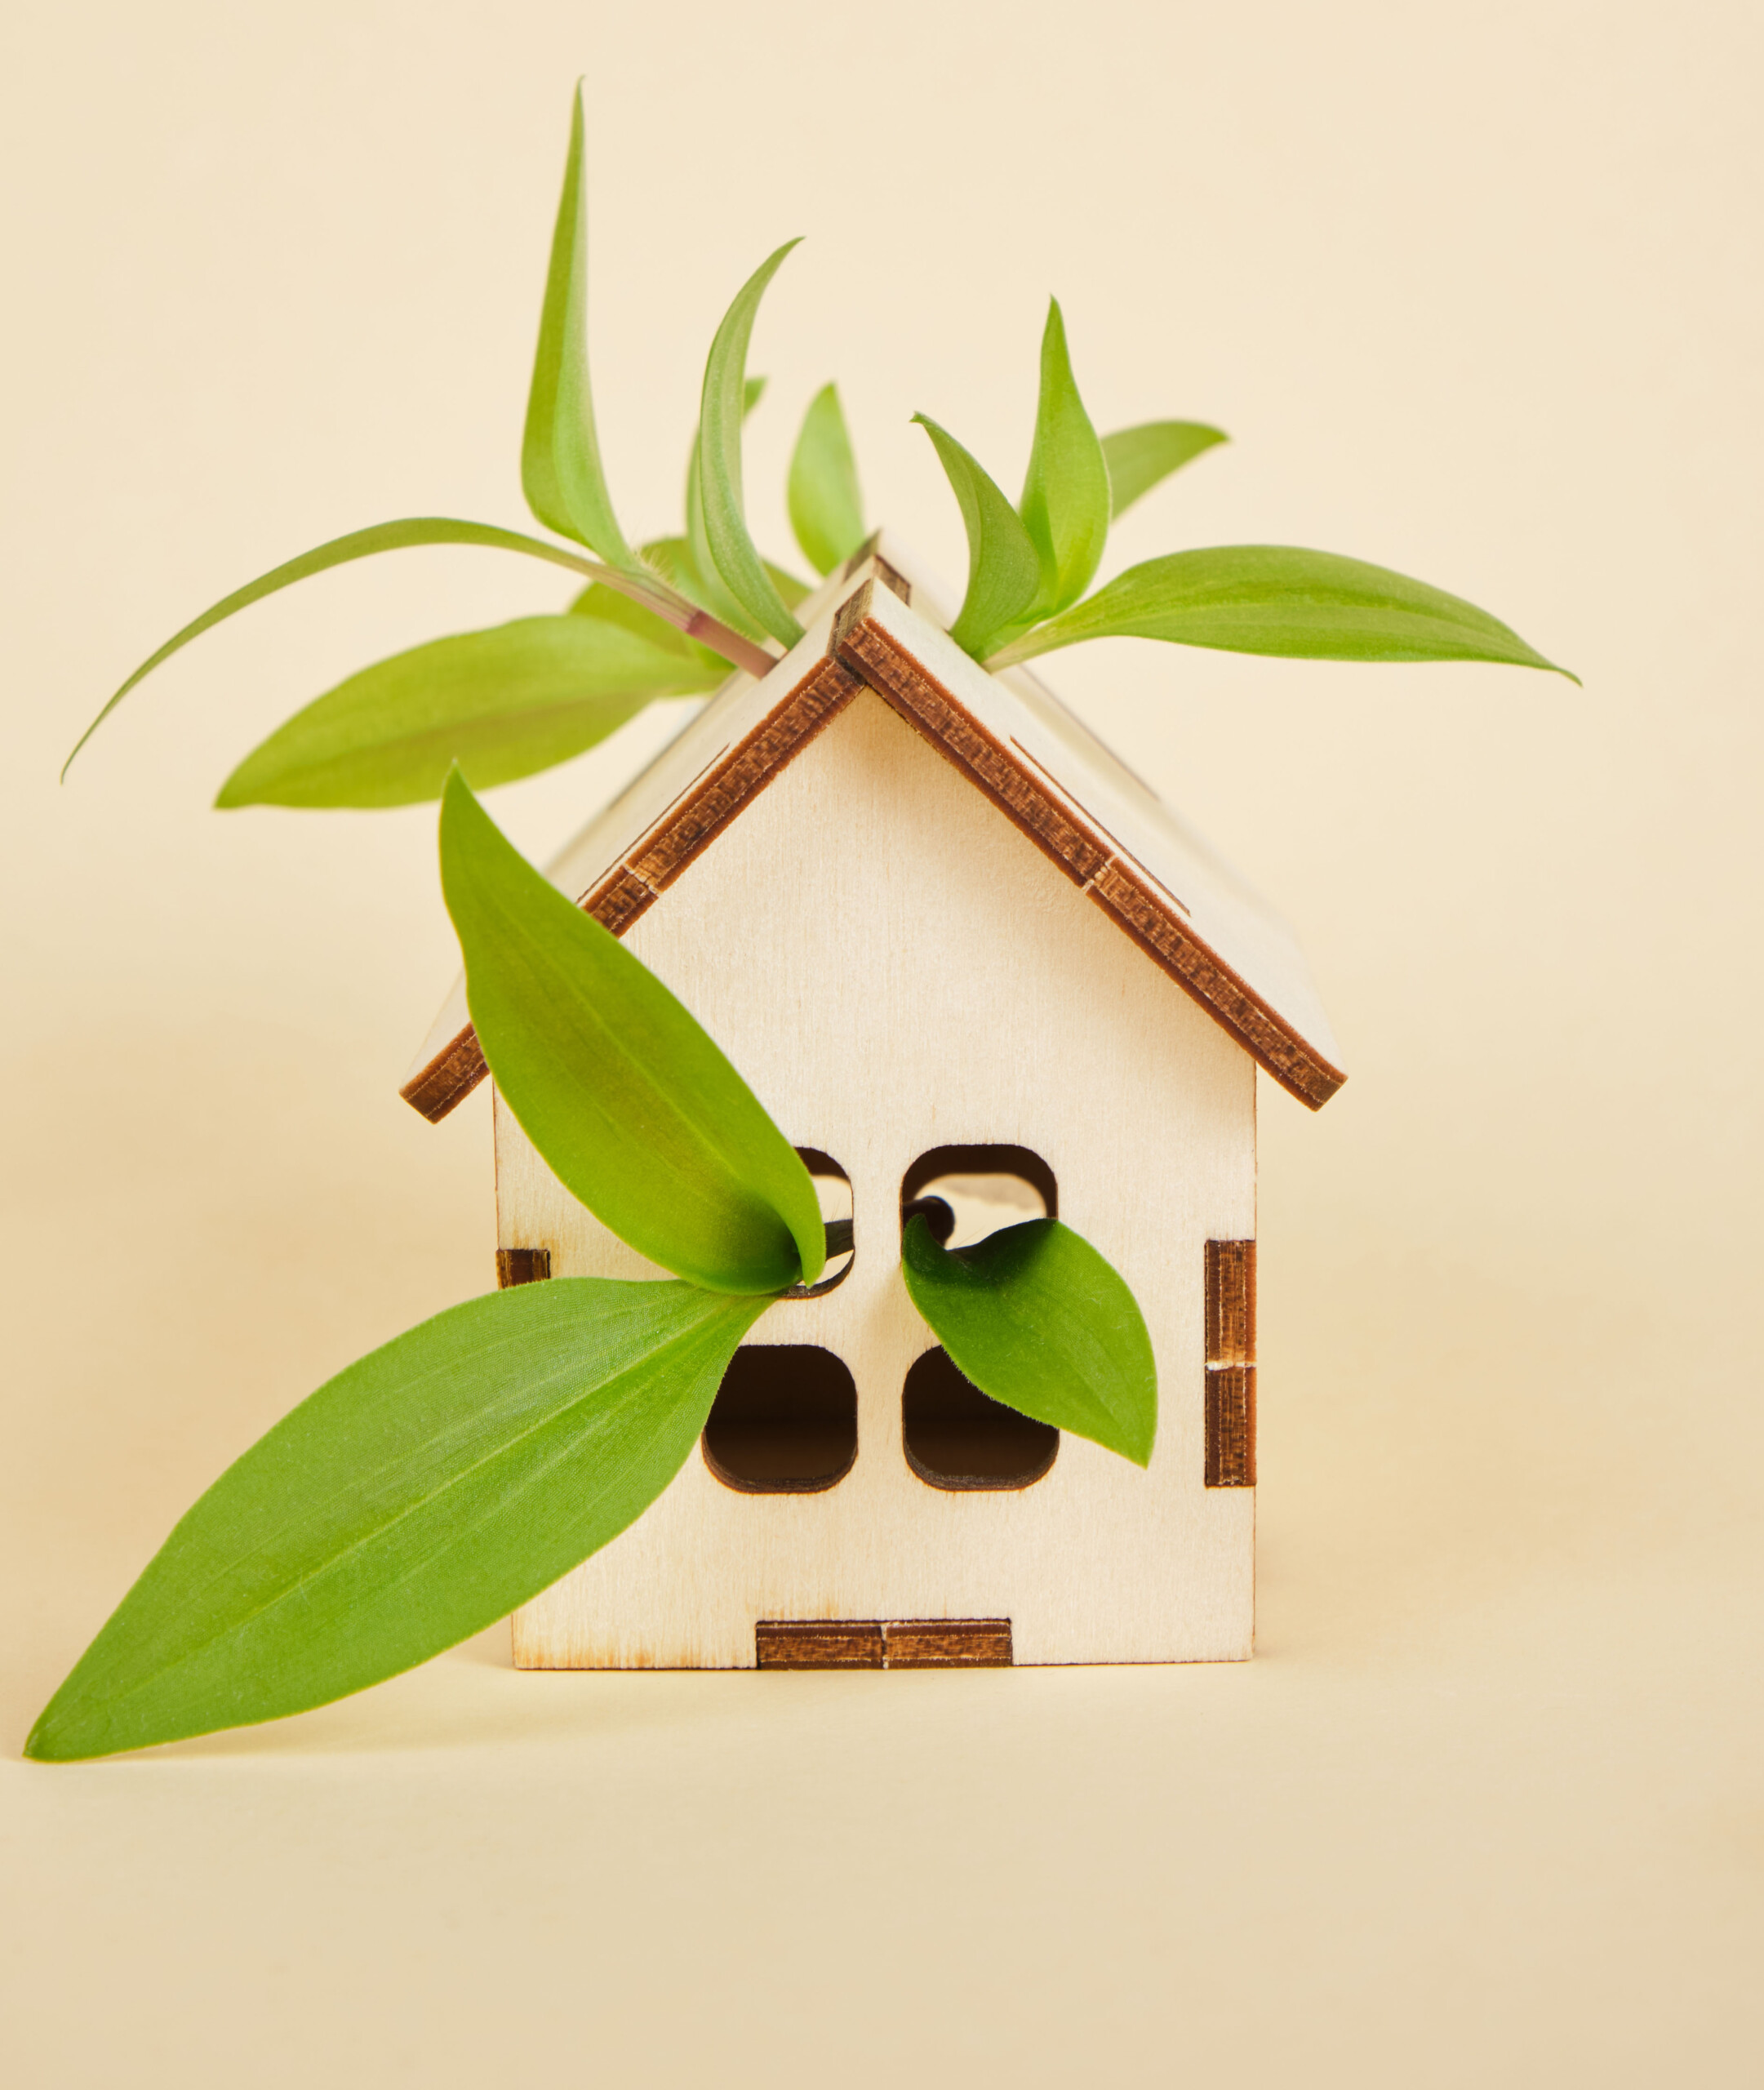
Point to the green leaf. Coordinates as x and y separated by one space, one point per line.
339 551
826 509
561 472
691 555
1004 571
1037 1319
1140 458
608 607
634 1108
1274 599
791 588
413 1500
503 703
1065 496
732 555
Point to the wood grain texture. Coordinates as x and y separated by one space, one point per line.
1180 904
1008 775
1231 1302
824 1643
1231 1425
522 1266
915 974
883 1643
947 1643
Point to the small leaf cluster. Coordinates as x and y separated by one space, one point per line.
453 1474
670 617
1029 566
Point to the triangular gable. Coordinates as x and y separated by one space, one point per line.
1155 878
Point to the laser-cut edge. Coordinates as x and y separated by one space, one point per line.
862 653
870 1644
659 856
1096 865
1231 1372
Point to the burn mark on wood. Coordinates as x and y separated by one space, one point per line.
522 1266
1231 1426
818 1644
1154 920
883 1643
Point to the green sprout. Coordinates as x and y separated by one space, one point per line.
456 1472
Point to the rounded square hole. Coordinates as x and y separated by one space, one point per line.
956 1438
784 1422
833 1189
980 1189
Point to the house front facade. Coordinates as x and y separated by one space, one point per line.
958 951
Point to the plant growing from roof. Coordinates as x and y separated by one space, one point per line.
671 617
454 1473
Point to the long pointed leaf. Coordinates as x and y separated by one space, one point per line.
733 553
826 509
417 531
1142 457
560 471
413 1500
1065 502
691 557
1004 569
1035 1318
502 703
1276 599
634 1108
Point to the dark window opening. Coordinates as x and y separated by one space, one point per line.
965 1193
785 1420
832 1188
957 1437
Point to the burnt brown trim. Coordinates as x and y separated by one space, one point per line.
1231 1302
447 1080
947 1643
522 1266
1087 859
879 1643
818 1644
688 827
1231 1426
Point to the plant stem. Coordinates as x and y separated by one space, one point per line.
742 652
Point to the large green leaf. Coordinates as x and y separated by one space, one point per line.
561 472
1065 500
1004 570
634 1108
733 554
417 531
1274 599
826 509
1140 458
1037 1319
415 1499
503 703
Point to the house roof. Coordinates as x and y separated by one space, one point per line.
876 625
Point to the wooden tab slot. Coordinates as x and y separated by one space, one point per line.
1231 1364
521 1266
889 1644
948 1643
1231 1426
818 1644
1231 1302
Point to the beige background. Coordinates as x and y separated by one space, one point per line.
1476 291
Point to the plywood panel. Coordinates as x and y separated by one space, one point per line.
894 967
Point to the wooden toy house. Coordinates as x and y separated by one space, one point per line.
958 949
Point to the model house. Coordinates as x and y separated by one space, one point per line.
959 951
